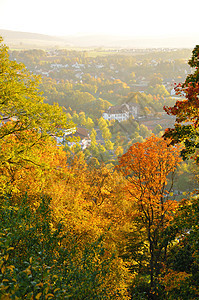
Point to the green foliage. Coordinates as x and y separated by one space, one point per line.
26 122
186 177
39 260
181 273
157 129
158 90
144 131
140 288
20 98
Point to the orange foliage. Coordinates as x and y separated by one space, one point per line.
173 280
88 200
146 166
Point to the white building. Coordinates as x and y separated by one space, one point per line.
121 112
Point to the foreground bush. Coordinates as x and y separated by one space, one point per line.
39 260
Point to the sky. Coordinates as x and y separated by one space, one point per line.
140 18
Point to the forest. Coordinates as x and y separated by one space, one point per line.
119 218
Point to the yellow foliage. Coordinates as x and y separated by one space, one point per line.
38 296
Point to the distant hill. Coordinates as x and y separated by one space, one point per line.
133 42
14 35
24 40
20 40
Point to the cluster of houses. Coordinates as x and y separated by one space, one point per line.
73 136
119 112
78 135
76 67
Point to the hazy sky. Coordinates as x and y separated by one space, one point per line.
117 17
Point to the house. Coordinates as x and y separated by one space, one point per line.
4 120
82 136
133 109
121 112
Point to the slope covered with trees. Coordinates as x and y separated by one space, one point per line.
74 227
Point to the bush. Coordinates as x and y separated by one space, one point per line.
39 260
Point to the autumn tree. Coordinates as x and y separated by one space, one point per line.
182 267
89 123
82 118
26 121
21 100
102 123
82 203
147 166
186 110
180 276
42 259
93 139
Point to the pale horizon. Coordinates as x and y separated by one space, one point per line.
125 18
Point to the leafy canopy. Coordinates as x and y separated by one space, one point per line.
147 166
26 121
21 100
187 111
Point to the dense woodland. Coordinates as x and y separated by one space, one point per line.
118 220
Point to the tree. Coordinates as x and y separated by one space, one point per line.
40 259
102 123
82 118
106 134
28 171
93 138
21 98
109 145
89 123
147 166
156 79
76 118
27 122
119 150
186 111
180 276
144 131
158 90
157 129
